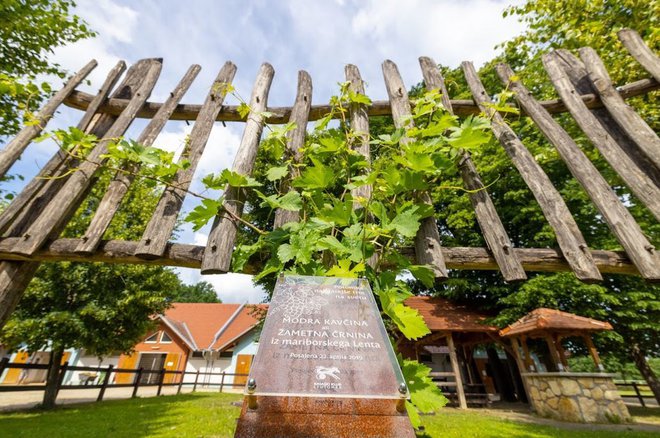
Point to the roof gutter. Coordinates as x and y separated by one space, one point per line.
225 325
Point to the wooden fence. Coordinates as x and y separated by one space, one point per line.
641 390
31 225
104 379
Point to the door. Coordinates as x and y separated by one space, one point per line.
13 374
243 362
151 362
127 363
172 364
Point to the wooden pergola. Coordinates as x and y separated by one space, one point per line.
552 326
31 225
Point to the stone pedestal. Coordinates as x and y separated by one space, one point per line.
576 397
302 417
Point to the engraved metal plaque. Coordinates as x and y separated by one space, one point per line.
324 337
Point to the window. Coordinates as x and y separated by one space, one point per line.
165 339
152 339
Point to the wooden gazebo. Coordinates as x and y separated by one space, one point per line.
459 327
553 326
560 393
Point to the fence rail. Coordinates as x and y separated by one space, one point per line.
102 379
637 387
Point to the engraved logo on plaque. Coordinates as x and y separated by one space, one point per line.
323 372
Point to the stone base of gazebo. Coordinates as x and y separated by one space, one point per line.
576 397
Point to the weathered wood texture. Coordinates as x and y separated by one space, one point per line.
622 155
281 115
51 174
120 184
220 245
359 123
160 227
631 122
428 248
640 51
15 276
190 256
17 145
111 80
296 140
360 129
75 188
617 217
489 221
568 235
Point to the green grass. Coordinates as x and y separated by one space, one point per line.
186 415
212 415
450 423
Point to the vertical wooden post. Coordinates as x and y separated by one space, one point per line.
3 365
593 352
554 353
183 375
522 367
196 379
161 377
136 382
462 403
222 381
562 352
106 380
529 366
60 379
639 394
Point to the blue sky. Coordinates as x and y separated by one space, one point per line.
317 36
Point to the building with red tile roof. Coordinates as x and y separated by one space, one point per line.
211 338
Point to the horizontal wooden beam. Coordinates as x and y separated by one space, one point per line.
190 256
280 115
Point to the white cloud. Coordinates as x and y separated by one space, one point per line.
231 288
114 23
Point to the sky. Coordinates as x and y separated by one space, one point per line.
317 36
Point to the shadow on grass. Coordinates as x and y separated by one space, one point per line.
186 415
652 413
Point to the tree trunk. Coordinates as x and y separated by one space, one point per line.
646 371
50 394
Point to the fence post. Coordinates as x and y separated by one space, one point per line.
3 365
106 379
183 375
639 394
222 381
161 376
136 383
196 379
60 378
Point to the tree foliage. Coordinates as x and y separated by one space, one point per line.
201 292
29 31
630 304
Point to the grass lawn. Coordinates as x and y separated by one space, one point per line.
212 415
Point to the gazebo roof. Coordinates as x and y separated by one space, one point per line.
549 320
443 315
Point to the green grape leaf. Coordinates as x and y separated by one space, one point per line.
275 173
423 273
204 212
406 223
343 269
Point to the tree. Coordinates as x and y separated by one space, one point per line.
631 305
201 292
29 31
102 308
